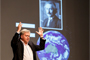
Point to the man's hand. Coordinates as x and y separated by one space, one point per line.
19 27
40 33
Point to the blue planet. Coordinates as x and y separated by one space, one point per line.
56 47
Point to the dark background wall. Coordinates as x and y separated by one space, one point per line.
89 28
75 25
0 30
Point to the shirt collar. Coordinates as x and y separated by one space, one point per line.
51 18
23 42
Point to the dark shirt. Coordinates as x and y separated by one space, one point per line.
55 23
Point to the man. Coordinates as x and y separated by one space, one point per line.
23 49
52 21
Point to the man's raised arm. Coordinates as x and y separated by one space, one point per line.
17 35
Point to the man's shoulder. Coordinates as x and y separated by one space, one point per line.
30 43
57 19
45 20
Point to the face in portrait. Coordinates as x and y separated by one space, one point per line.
51 21
50 9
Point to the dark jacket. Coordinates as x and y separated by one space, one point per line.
56 23
18 48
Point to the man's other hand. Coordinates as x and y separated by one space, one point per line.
40 31
19 27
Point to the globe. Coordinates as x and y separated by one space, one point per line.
56 47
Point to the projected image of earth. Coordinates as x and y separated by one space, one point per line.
56 47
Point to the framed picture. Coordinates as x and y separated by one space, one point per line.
50 14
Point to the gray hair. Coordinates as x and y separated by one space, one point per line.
52 3
23 31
